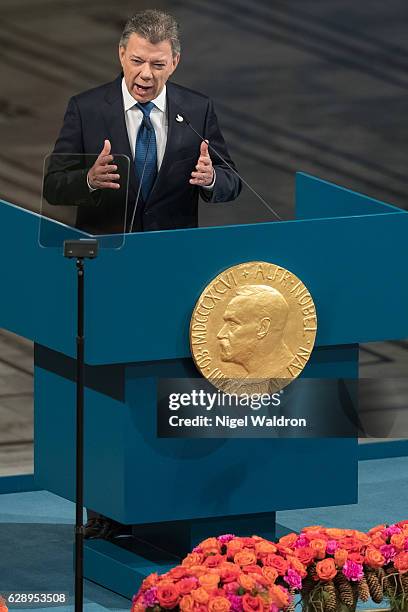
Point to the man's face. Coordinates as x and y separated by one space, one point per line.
146 67
238 335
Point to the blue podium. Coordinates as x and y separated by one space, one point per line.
351 253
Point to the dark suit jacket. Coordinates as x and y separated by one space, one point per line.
95 115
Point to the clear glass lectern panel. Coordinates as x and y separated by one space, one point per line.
72 210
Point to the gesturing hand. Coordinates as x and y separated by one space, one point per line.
101 175
204 174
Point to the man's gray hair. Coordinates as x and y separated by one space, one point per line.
155 26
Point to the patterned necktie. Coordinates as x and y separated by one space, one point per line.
146 151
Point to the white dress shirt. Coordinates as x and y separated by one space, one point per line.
158 117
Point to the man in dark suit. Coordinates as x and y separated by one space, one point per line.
139 115
117 119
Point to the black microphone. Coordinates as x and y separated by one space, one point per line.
149 126
181 118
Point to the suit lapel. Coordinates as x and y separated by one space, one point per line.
114 116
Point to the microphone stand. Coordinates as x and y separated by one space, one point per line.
149 126
180 118
80 249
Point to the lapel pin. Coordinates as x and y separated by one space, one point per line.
179 118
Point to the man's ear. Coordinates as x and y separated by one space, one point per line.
263 327
176 59
122 51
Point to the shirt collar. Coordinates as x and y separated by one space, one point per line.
129 101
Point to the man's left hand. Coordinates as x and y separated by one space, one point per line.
204 174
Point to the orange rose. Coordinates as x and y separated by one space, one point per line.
245 557
373 557
214 560
177 572
219 604
315 535
297 566
167 594
278 596
356 557
252 569
210 546
264 548
277 562
319 548
312 528
150 581
252 604
377 528
233 547
363 538
288 540
326 569
187 603
246 582
228 571
193 558
284 550
185 585
340 557
305 554
335 534
197 570
398 540
200 595
377 540
248 542
259 580
209 581
401 562
350 543
270 573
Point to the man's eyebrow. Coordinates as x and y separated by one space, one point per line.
155 61
229 317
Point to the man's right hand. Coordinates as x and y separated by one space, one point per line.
101 175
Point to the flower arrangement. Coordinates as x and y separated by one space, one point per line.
346 565
331 568
227 573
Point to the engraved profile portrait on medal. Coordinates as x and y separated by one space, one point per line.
253 333
253 329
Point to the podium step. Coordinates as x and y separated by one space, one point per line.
119 569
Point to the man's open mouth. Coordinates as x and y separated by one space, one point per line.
142 87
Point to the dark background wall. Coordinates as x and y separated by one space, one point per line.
312 85
298 84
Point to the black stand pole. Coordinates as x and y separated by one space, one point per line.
79 497
80 249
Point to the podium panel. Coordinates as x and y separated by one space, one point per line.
351 253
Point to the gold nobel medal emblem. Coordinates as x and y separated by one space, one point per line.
253 329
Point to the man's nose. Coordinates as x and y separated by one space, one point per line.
146 73
221 334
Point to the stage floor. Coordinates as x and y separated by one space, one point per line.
36 531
